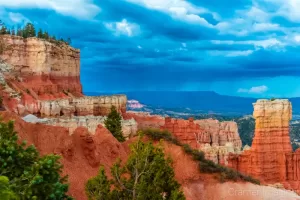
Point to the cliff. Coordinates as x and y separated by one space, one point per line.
270 158
43 78
91 122
216 139
83 152
43 67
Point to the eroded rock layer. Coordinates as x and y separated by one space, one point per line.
270 158
129 127
42 66
216 139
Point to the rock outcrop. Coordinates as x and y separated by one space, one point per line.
145 120
270 158
216 139
129 127
82 106
43 67
83 153
43 78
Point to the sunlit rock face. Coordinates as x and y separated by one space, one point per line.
216 139
270 157
129 127
43 67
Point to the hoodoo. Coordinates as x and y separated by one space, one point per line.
270 158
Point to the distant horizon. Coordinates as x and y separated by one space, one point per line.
124 92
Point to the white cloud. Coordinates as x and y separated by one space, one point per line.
265 44
179 9
17 17
123 28
287 8
257 27
82 9
230 53
297 38
239 53
139 47
254 90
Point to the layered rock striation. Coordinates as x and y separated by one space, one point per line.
216 139
129 127
270 158
42 66
43 78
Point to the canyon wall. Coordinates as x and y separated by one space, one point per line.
216 139
42 66
270 158
43 78
129 127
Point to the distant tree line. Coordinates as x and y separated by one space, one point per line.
29 31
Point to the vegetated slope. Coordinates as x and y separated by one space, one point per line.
81 161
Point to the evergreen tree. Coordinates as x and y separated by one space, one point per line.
19 31
29 31
40 34
46 35
69 41
13 31
5 191
114 125
146 175
98 188
32 176
3 30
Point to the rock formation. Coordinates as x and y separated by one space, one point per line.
216 139
270 158
129 127
42 66
43 78
145 120
83 153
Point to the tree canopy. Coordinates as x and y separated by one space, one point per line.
146 175
30 175
29 30
113 123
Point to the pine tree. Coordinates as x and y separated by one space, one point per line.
29 31
98 187
13 31
40 34
114 125
32 176
3 30
149 176
19 31
5 191
69 41
46 35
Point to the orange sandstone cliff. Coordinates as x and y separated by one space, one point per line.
83 153
270 158
43 78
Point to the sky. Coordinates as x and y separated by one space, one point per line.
236 47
